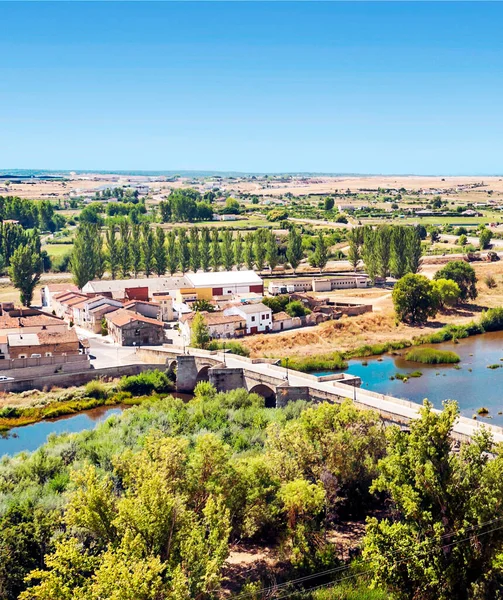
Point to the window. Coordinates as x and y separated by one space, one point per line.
48 353
253 319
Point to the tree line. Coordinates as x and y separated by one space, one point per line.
31 214
385 250
131 249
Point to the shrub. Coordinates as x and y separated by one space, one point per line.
492 319
296 309
231 346
490 282
96 389
430 356
204 389
414 299
322 362
146 383
10 412
463 274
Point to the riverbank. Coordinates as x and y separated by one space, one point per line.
30 407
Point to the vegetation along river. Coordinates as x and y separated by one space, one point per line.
470 382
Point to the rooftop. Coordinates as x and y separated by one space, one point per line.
223 278
250 309
23 339
154 284
123 317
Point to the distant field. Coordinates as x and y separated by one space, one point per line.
57 250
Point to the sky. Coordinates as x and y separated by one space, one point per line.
333 87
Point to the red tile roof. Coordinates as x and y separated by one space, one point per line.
123 317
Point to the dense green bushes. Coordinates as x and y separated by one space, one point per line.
146 383
322 362
230 345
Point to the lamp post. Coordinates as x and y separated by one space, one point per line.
224 353
286 362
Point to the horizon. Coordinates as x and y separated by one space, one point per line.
378 88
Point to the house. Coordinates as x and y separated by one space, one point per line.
128 328
220 325
43 344
89 313
217 217
63 303
29 320
49 290
282 321
258 316
206 286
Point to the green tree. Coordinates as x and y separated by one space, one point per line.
462 240
434 234
87 259
205 249
320 254
296 309
414 249
147 249
294 252
195 254
328 204
414 299
463 274
355 240
369 252
159 252
199 333
448 292
171 253
124 249
271 251
485 237
259 248
248 256
399 262
383 249
136 262
238 251
183 250
112 250
227 250
216 252
435 547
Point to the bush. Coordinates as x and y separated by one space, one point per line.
322 362
231 346
463 274
490 282
146 383
492 319
430 356
96 389
414 299
296 309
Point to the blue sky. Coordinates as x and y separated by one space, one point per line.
305 86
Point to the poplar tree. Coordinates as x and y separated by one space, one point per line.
294 252
227 250
383 249
355 239
172 254
320 255
135 249
369 253
195 255
238 251
25 271
147 249
205 250
87 254
124 249
216 257
399 260
271 251
414 249
248 256
160 258
259 248
112 250
183 250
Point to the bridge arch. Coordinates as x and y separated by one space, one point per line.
203 374
266 392
171 365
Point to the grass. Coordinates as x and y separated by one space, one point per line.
231 346
495 366
431 356
58 250
483 411
333 361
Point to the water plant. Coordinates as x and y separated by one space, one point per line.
431 356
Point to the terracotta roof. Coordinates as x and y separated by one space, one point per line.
216 318
56 337
62 287
8 322
122 317
281 316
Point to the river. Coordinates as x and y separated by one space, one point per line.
471 383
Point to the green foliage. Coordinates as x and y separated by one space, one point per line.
88 259
485 237
199 333
96 389
492 319
430 356
276 303
414 299
463 274
447 291
25 271
145 383
296 309
435 547
321 362
231 346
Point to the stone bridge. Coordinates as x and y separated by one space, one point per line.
279 386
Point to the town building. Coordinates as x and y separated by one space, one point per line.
136 289
220 325
43 344
49 290
205 286
128 328
28 320
89 313
258 316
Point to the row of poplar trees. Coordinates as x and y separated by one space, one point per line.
131 249
385 250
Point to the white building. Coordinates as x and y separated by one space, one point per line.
258 316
